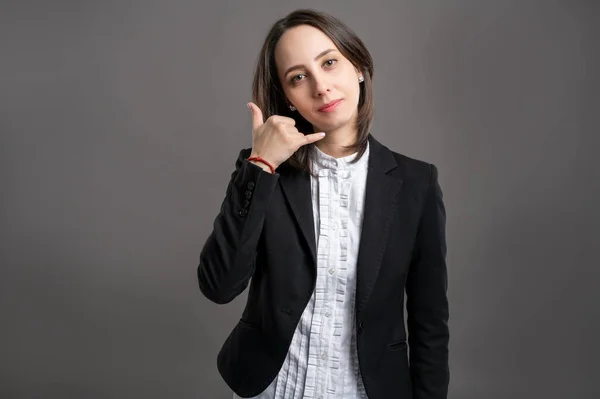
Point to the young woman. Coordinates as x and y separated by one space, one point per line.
329 231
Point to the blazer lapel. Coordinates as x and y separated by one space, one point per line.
380 200
296 188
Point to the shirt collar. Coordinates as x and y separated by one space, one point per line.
321 161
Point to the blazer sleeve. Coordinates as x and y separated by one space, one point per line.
427 303
228 255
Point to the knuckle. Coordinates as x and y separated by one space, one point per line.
284 119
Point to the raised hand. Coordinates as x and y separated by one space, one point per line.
276 139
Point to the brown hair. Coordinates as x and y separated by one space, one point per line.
267 91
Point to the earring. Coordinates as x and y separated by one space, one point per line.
292 108
361 79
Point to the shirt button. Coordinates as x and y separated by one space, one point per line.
331 271
324 356
328 313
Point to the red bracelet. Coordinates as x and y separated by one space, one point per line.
259 159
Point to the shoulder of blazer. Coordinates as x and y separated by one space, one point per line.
408 167
414 168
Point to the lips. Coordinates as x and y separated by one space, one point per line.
329 106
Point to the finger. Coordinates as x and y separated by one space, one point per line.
288 130
283 119
257 116
311 138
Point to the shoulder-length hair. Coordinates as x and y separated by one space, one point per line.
267 91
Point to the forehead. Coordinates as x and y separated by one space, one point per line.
301 44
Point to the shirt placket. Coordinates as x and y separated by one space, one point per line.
316 376
341 278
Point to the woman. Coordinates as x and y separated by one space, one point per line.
328 231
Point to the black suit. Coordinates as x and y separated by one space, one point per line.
264 232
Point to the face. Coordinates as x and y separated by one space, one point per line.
313 73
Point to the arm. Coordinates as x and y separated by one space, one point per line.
427 303
227 258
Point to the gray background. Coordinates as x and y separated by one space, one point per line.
121 123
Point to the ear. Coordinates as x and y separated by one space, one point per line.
358 73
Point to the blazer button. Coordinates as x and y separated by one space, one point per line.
250 185
243 212
248 194
360 328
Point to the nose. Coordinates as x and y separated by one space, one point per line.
321 85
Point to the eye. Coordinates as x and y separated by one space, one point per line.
295 78
330 62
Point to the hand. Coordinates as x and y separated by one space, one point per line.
276 139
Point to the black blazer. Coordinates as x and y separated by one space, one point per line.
264 236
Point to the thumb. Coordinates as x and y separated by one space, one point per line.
257 116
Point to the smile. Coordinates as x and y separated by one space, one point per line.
330 107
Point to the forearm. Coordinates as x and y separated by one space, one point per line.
228 255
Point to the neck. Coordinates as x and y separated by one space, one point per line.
334 141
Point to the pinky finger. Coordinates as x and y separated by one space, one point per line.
311 138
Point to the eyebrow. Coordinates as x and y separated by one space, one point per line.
321 54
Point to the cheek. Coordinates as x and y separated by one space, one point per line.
357 91
352 94
355 88
298 97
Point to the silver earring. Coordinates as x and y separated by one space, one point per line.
361 79
292 108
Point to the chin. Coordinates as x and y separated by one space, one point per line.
335 123
330 127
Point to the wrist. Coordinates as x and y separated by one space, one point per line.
263 163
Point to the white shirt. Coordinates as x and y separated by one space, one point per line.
322 361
